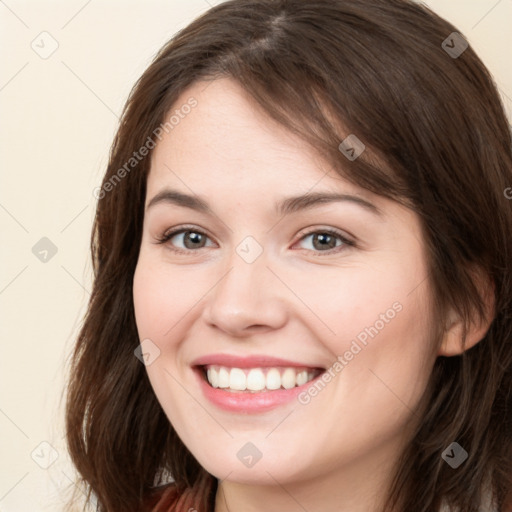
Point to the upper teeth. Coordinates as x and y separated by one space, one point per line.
257 379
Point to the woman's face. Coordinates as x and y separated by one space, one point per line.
336 285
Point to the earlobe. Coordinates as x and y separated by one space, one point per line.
453 342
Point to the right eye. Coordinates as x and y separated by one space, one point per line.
189 238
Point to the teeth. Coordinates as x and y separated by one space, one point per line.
237 380
302 378
258 379
288 378
255 380
213 377
273 379
223 381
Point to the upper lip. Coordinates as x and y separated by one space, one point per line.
254 361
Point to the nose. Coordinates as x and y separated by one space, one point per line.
247 299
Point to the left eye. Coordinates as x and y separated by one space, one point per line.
324 241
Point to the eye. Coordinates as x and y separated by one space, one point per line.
189 238
326 241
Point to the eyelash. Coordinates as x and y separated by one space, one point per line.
345 241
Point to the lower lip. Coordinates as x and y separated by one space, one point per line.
249 402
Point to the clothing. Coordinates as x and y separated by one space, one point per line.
199 498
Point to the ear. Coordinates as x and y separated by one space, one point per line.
453 343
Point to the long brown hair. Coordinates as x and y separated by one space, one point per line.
433 121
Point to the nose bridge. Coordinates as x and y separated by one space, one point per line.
247 294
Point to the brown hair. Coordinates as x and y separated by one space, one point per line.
435 123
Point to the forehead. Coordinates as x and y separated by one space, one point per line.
226 140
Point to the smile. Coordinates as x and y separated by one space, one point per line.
255 380
252 384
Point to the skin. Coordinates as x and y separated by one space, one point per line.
294 301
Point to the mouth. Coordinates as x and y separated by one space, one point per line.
252 384
257 379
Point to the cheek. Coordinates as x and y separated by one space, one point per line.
163 303
163 297
361 302
384 355
167 299
380 331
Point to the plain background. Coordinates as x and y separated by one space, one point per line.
59 113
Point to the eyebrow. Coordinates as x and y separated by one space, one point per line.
285 207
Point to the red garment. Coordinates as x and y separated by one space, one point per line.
199 498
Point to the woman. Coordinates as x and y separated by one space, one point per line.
303 261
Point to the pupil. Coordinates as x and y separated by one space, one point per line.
194 237
324 240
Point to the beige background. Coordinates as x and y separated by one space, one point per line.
58 117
